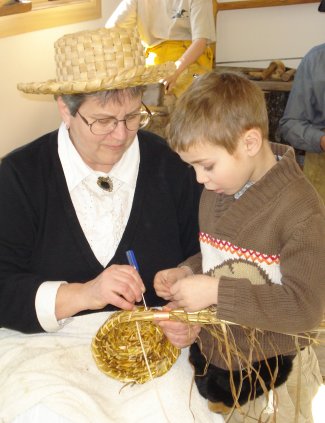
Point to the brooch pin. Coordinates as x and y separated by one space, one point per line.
105 183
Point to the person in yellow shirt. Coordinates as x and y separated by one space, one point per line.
181 31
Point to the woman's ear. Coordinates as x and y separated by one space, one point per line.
253 141
64 111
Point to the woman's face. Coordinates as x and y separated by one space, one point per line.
101 152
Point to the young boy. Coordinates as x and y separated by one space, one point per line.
262 260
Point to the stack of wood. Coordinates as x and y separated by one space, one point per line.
276 71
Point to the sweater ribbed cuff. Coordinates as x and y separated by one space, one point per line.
226 299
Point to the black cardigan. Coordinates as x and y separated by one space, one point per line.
41 238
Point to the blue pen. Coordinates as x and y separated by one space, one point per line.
133 262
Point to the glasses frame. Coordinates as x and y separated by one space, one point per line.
147 110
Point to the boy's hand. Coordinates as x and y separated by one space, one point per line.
194 293
166 278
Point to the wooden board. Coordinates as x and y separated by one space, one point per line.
13 8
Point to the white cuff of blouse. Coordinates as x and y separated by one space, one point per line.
45 306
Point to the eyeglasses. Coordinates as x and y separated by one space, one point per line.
107 125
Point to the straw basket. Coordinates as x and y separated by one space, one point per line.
130 350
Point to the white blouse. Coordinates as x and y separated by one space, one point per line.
103 215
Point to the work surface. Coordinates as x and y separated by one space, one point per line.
57 370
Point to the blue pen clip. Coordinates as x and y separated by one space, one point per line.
133 262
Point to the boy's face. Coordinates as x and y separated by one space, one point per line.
218 170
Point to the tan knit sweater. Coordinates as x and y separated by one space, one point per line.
268 248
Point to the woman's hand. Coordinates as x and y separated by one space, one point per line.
194 51
170 82
119 285
179 334
166 278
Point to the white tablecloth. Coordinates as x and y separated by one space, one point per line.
56 373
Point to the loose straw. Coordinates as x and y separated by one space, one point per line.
117 352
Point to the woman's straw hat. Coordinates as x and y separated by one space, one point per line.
98 60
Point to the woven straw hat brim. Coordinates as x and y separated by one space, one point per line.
141 75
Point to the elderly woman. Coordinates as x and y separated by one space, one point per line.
71 204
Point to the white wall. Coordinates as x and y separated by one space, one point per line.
242 35
281 32
26 58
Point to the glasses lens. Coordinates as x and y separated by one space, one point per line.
137 120
103 126
132 122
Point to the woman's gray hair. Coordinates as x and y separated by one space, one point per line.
74 101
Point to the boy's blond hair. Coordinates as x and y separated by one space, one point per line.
217 108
